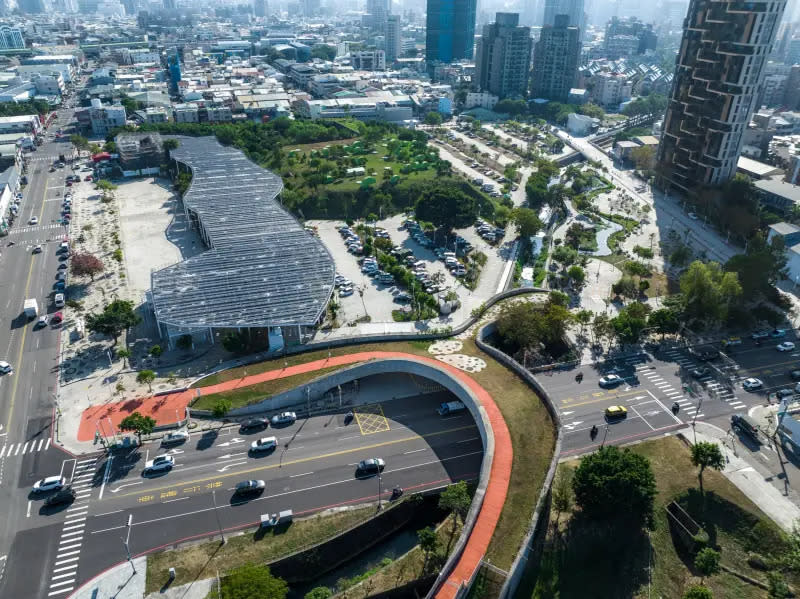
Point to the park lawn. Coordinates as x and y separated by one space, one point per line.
531 429
623 571
203 560
244 396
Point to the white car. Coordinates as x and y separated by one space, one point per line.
5 366
610 380
345 291
785 346
284 418
752 384
692 215
37 249
34 220
264 444
42 322
159 463
51 483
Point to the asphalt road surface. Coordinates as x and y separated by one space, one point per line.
312 469
652 385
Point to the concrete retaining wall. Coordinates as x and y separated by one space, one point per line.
525 553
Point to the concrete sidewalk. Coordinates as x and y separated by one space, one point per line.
120 582
751 482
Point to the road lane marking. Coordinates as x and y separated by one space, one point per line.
414 451
72 534
65 568
68 553
26 442
122 486
41 442
73 546
28 515
47 445
107 513
66 561
299 475
263 497
105 476
302 460
72 574
81 525
226 466
171 500
61 592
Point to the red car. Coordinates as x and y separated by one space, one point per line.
56 318
88 178
68 184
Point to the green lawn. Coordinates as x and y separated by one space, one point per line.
255 393
615 563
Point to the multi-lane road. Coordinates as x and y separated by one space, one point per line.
312 469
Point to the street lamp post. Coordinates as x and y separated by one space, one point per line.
126 542
380 480
216 513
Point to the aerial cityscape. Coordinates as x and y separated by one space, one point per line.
387 299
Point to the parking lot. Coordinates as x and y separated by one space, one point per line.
372 298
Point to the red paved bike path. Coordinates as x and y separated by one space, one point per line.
166 409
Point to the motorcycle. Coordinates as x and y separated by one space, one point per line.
676 407
348 417
579 377
397 492
593 432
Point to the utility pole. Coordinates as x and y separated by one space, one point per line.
380 480
126 542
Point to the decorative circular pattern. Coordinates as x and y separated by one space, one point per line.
463 362
445 346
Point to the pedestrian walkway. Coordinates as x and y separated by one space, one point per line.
65 568
769 499
667 391
28 229
9 450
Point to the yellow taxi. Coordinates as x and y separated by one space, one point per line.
616 412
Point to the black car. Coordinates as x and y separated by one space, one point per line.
254 424
65 495
699 373
248 487
707 354
795 374
781 393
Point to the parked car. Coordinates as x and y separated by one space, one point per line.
783 393
284 418
778 333
785 346
37 249
699 373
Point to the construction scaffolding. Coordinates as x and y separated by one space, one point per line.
262 269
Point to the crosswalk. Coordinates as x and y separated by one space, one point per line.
29 228
65 568
9 450
712 385
668 390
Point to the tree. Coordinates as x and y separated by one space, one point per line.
253 582
665 321
615 483
433 118
146 377
156 351
577 274
708 291
524 325
778 589
562 491
706 454
626 287
323 52
761 267
107 189
447 207
319 593
698 592
86 264
171 144
583 318
221 408
630 322
124 354
601 327
527 221
139 424
115 318
644 157
706 562
80 143
428 544
456 499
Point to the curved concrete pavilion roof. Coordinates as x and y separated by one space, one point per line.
263 268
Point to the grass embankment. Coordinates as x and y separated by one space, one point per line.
531 429
254 393
204 560
612 565
403 570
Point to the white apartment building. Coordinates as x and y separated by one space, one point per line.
186 113
611 89
106 118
